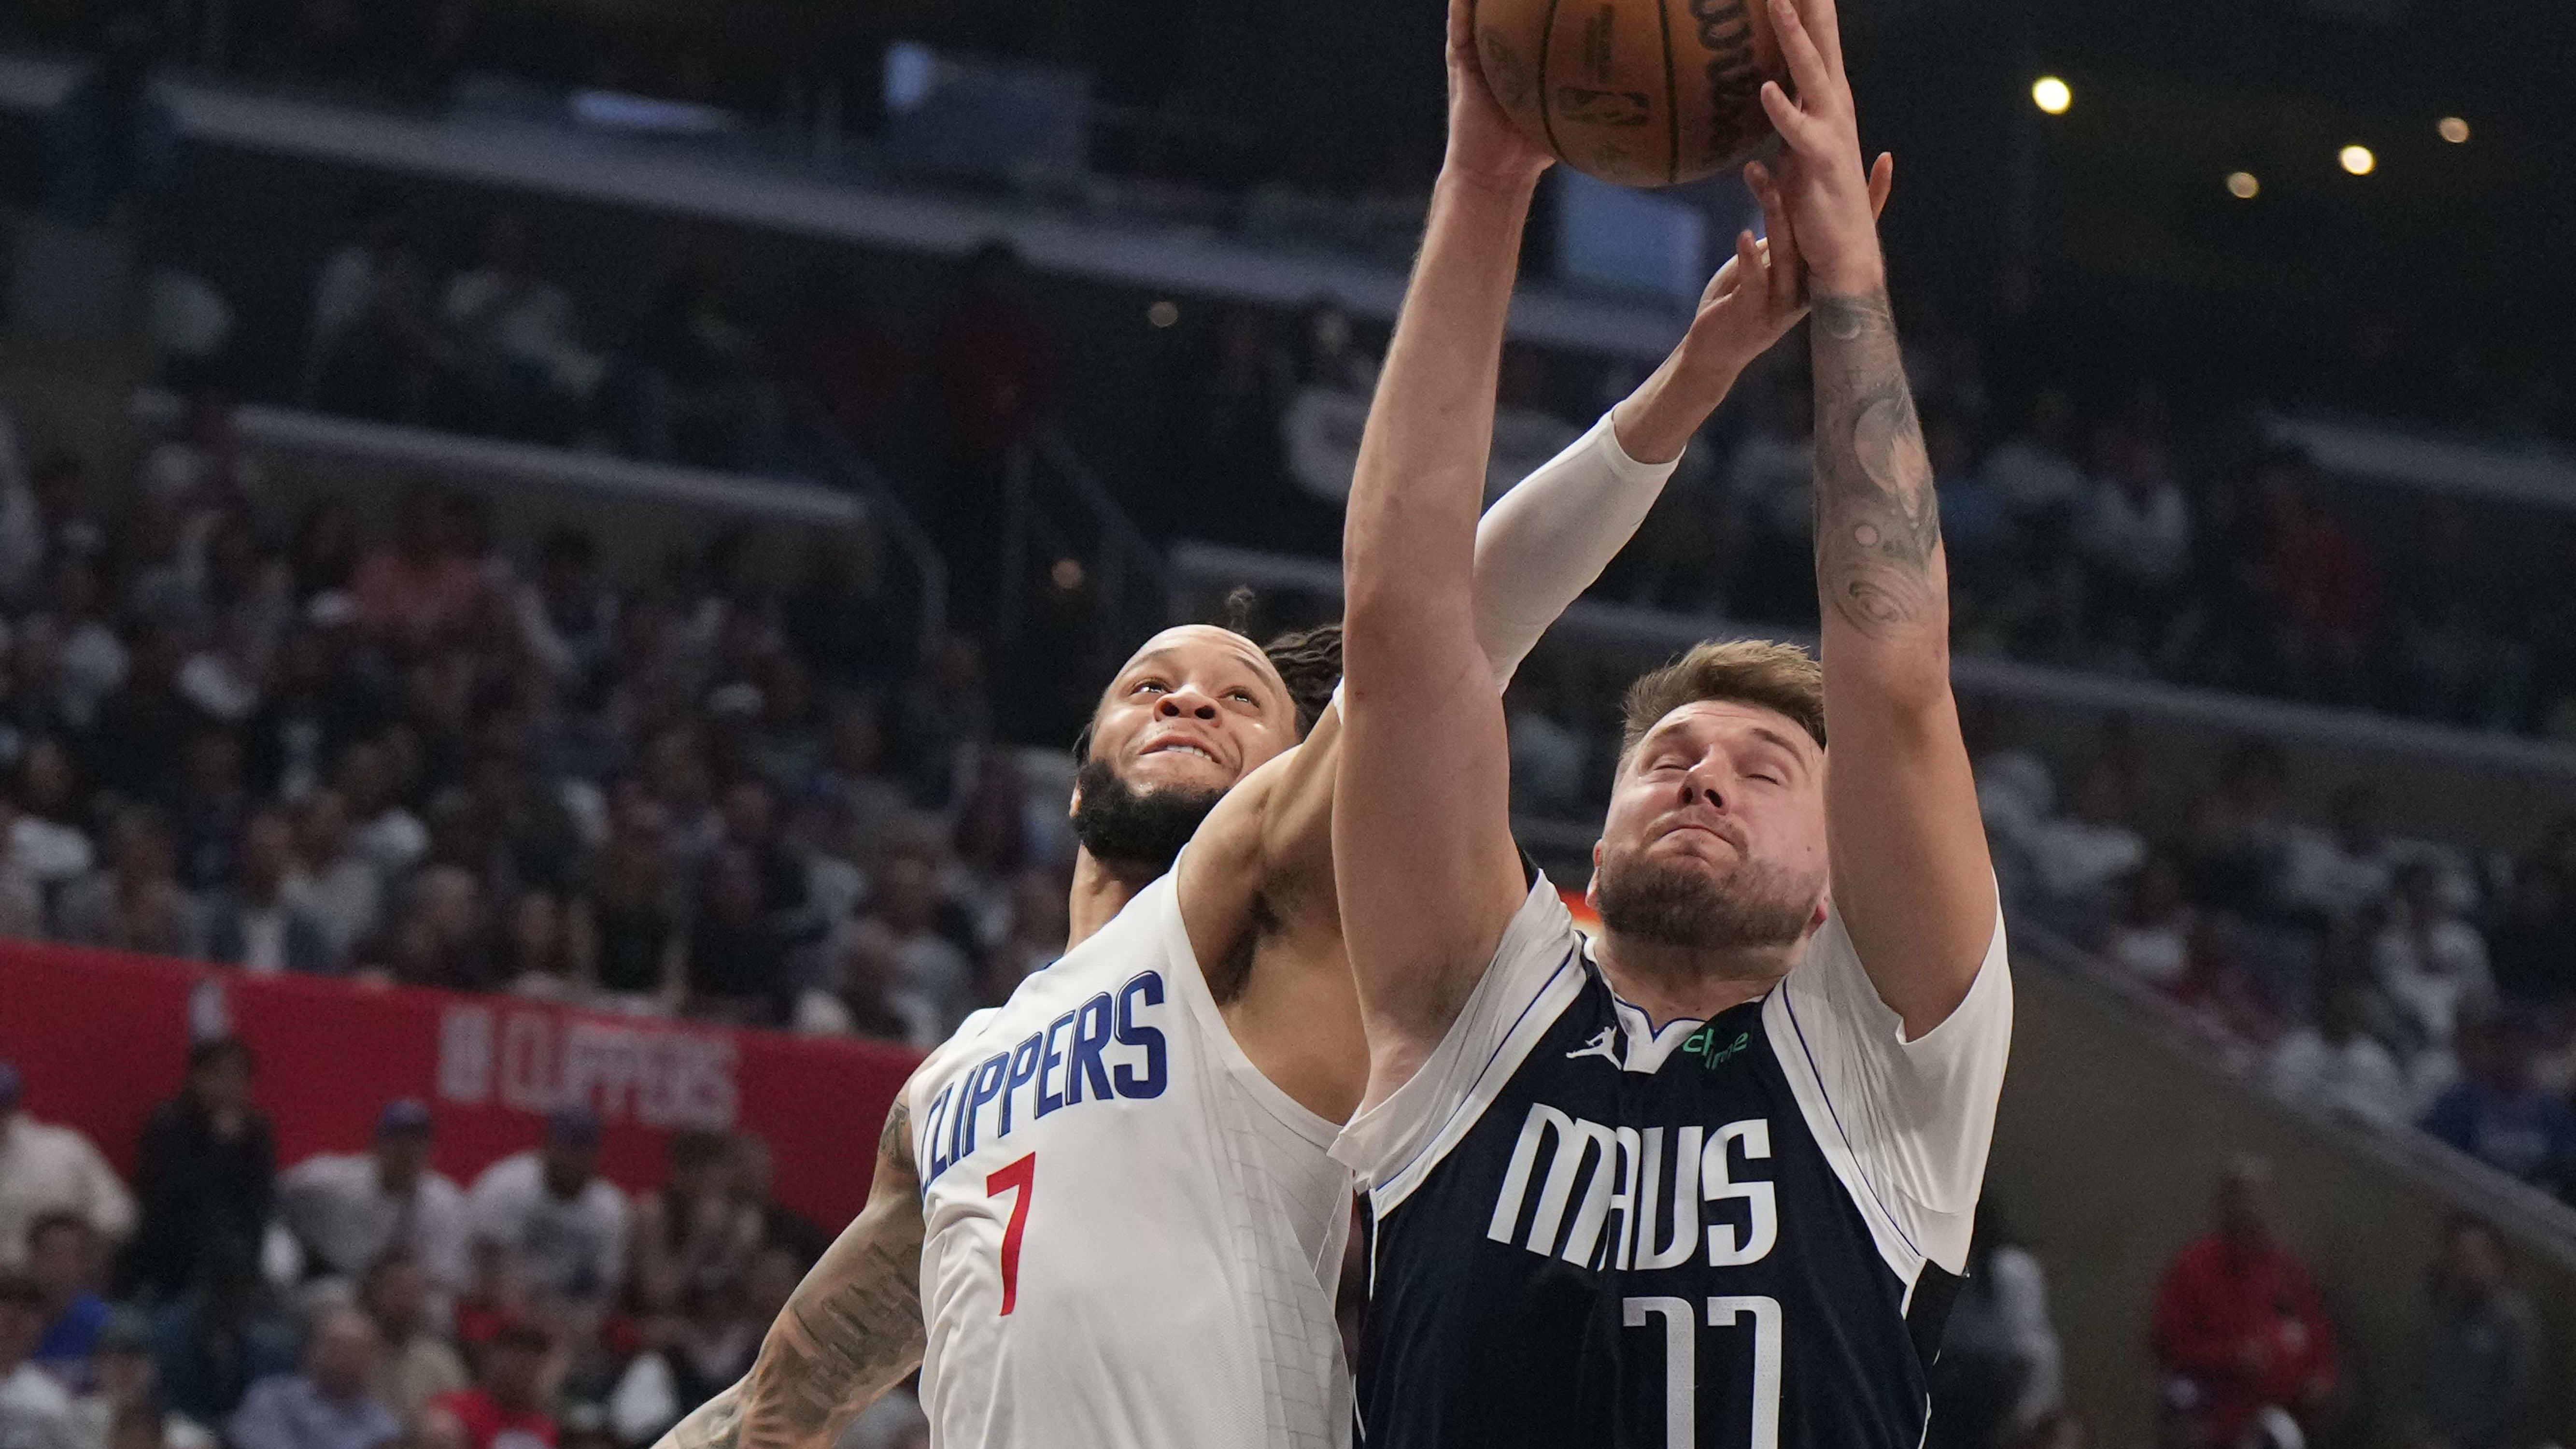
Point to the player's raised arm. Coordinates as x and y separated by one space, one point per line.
1422 841
851 1331
1911 877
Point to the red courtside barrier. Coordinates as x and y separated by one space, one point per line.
101 1038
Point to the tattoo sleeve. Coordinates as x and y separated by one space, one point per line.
1878 525
852 1330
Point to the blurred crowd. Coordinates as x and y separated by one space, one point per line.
2105 530
254 734
2393 980
360 1299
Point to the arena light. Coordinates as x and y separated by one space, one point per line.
2243 186
2358 160
2453 130
2051 95
1163 314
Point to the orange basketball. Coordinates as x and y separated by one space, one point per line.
1638 92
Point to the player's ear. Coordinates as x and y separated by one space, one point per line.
1592 888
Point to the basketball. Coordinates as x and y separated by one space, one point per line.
1637 92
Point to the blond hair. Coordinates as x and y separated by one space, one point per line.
1782 678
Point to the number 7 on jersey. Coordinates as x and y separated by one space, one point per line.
1020 1180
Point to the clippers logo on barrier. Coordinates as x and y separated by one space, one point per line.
1596 1171
537 1061
1108 1047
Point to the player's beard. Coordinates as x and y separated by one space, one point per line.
1752 905
1132 829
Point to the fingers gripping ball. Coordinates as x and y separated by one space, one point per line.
1637 92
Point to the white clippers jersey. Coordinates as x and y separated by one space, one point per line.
1132 1236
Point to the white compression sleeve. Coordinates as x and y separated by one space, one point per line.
1542 544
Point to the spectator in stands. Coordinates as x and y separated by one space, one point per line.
1998 1372
2082 855
381 828
2036 469
696 1233
932 976
418 1363
565 1225
1770 491
2481 1345
2239 832
2431 962
45 838
348 1211
2152 939
513 350
127 1382
567 615
326 1406
136 903
318 700
138 741
1040 922
2315 584
331 883
2136 540
687 382
254 923
46 1169
375 342
433 1427
2336 1062
2533 940
110 144
505 1409
2495 1113
2457 659
754 1178
429 581
206 1174
2331 875
993 372
738 966
63 1258
22 896
2238 1325
213 807
441 935
211 1345
35 1411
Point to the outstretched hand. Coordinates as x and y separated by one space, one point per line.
1761 292
1831 199
1484 145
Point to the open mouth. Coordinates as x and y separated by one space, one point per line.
1178 747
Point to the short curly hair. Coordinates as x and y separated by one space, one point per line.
1760 672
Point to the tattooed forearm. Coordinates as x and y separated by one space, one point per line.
852 1330
1878 525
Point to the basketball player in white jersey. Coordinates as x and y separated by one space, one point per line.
1705 1182
1112 1198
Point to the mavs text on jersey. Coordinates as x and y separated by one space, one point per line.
1739 1233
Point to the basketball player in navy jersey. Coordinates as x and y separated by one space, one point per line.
1706 1181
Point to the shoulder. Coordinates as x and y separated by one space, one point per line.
511 1175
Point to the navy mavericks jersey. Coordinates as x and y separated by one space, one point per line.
1741 1233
